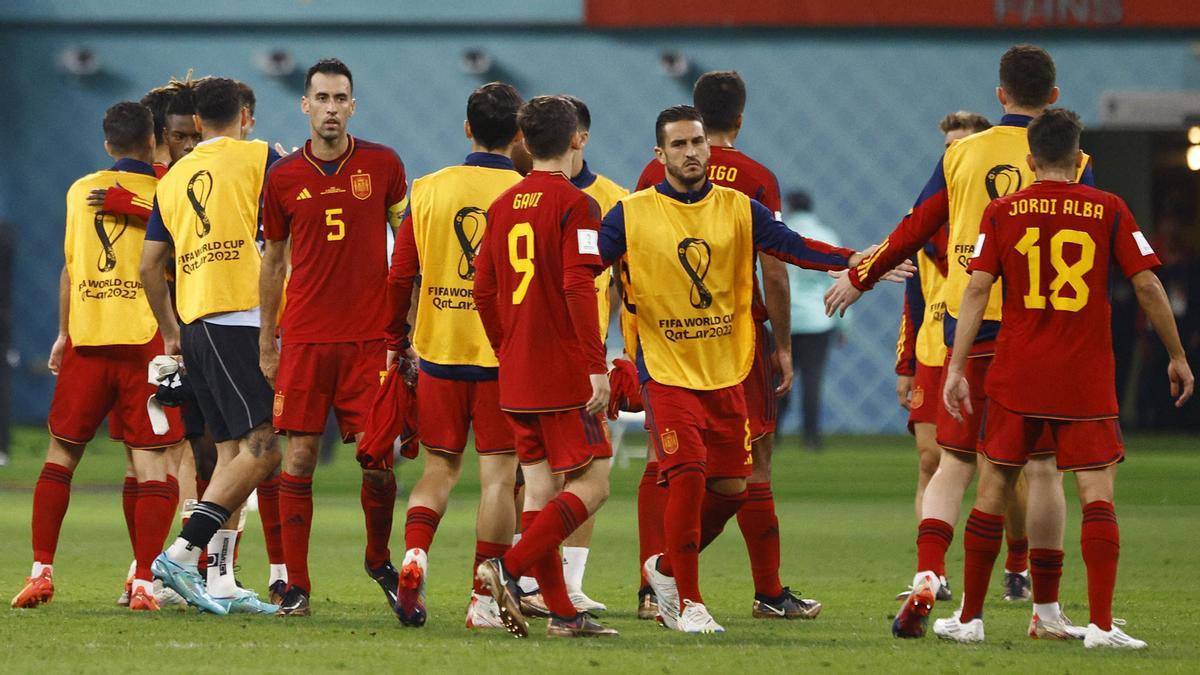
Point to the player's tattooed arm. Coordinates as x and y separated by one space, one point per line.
1153 300
956 393
117 200
64 320
270 290
154 281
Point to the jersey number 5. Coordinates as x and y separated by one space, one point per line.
520 256
1068 274
330 221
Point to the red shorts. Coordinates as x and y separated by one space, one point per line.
1010 439
316 376
761 405
705 427
568 439
926 397
967 436
109 380
447 408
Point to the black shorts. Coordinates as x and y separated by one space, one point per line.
193 420
222 365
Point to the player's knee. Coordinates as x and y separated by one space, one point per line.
263 446
727 486
378 477
65 453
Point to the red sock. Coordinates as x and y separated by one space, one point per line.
554 523
651 503
981 545
1101 542
295 514
378 503
154 515
760 528
50 499
201 488
420 524
933 538
486 550
715 512
1018 555
1045 570
549 574
682 524
173 492
129 497
268 513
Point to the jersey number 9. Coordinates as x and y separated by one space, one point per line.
520 256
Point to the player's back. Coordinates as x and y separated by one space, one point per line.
449 217
103 255
1055 243
537 229
982 167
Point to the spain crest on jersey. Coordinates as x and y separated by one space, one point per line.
360 185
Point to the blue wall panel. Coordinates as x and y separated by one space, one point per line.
849 116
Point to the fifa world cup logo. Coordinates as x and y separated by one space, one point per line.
108 257
695 255
199 188
1002 180
468 229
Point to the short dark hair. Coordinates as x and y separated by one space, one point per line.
218 100
964 120
720 96
127 126
246 94
1054 137
581 112
548 122
1027 75
328 67
676 113
492 114
156 100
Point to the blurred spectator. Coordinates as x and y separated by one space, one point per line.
812 331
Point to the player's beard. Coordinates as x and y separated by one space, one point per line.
678 172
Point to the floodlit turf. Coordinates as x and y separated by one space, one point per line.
848 540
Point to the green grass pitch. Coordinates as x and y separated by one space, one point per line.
848 540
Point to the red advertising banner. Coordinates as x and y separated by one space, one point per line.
1049 14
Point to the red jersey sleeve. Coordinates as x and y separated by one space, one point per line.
770 195
120 201
401 275
987 248
1130 248
486 286
398 187
930 212
274 218
581 262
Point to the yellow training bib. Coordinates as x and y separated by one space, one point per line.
209 203
104 254
694 269
449 216
606 193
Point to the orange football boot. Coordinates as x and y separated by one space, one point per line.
141 601
38 591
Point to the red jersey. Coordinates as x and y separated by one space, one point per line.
534 290
730 168
1053 244
337 216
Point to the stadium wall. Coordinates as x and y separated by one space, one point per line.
848 115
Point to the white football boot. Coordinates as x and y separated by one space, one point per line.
696 619
665 592
1113 639
953 629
